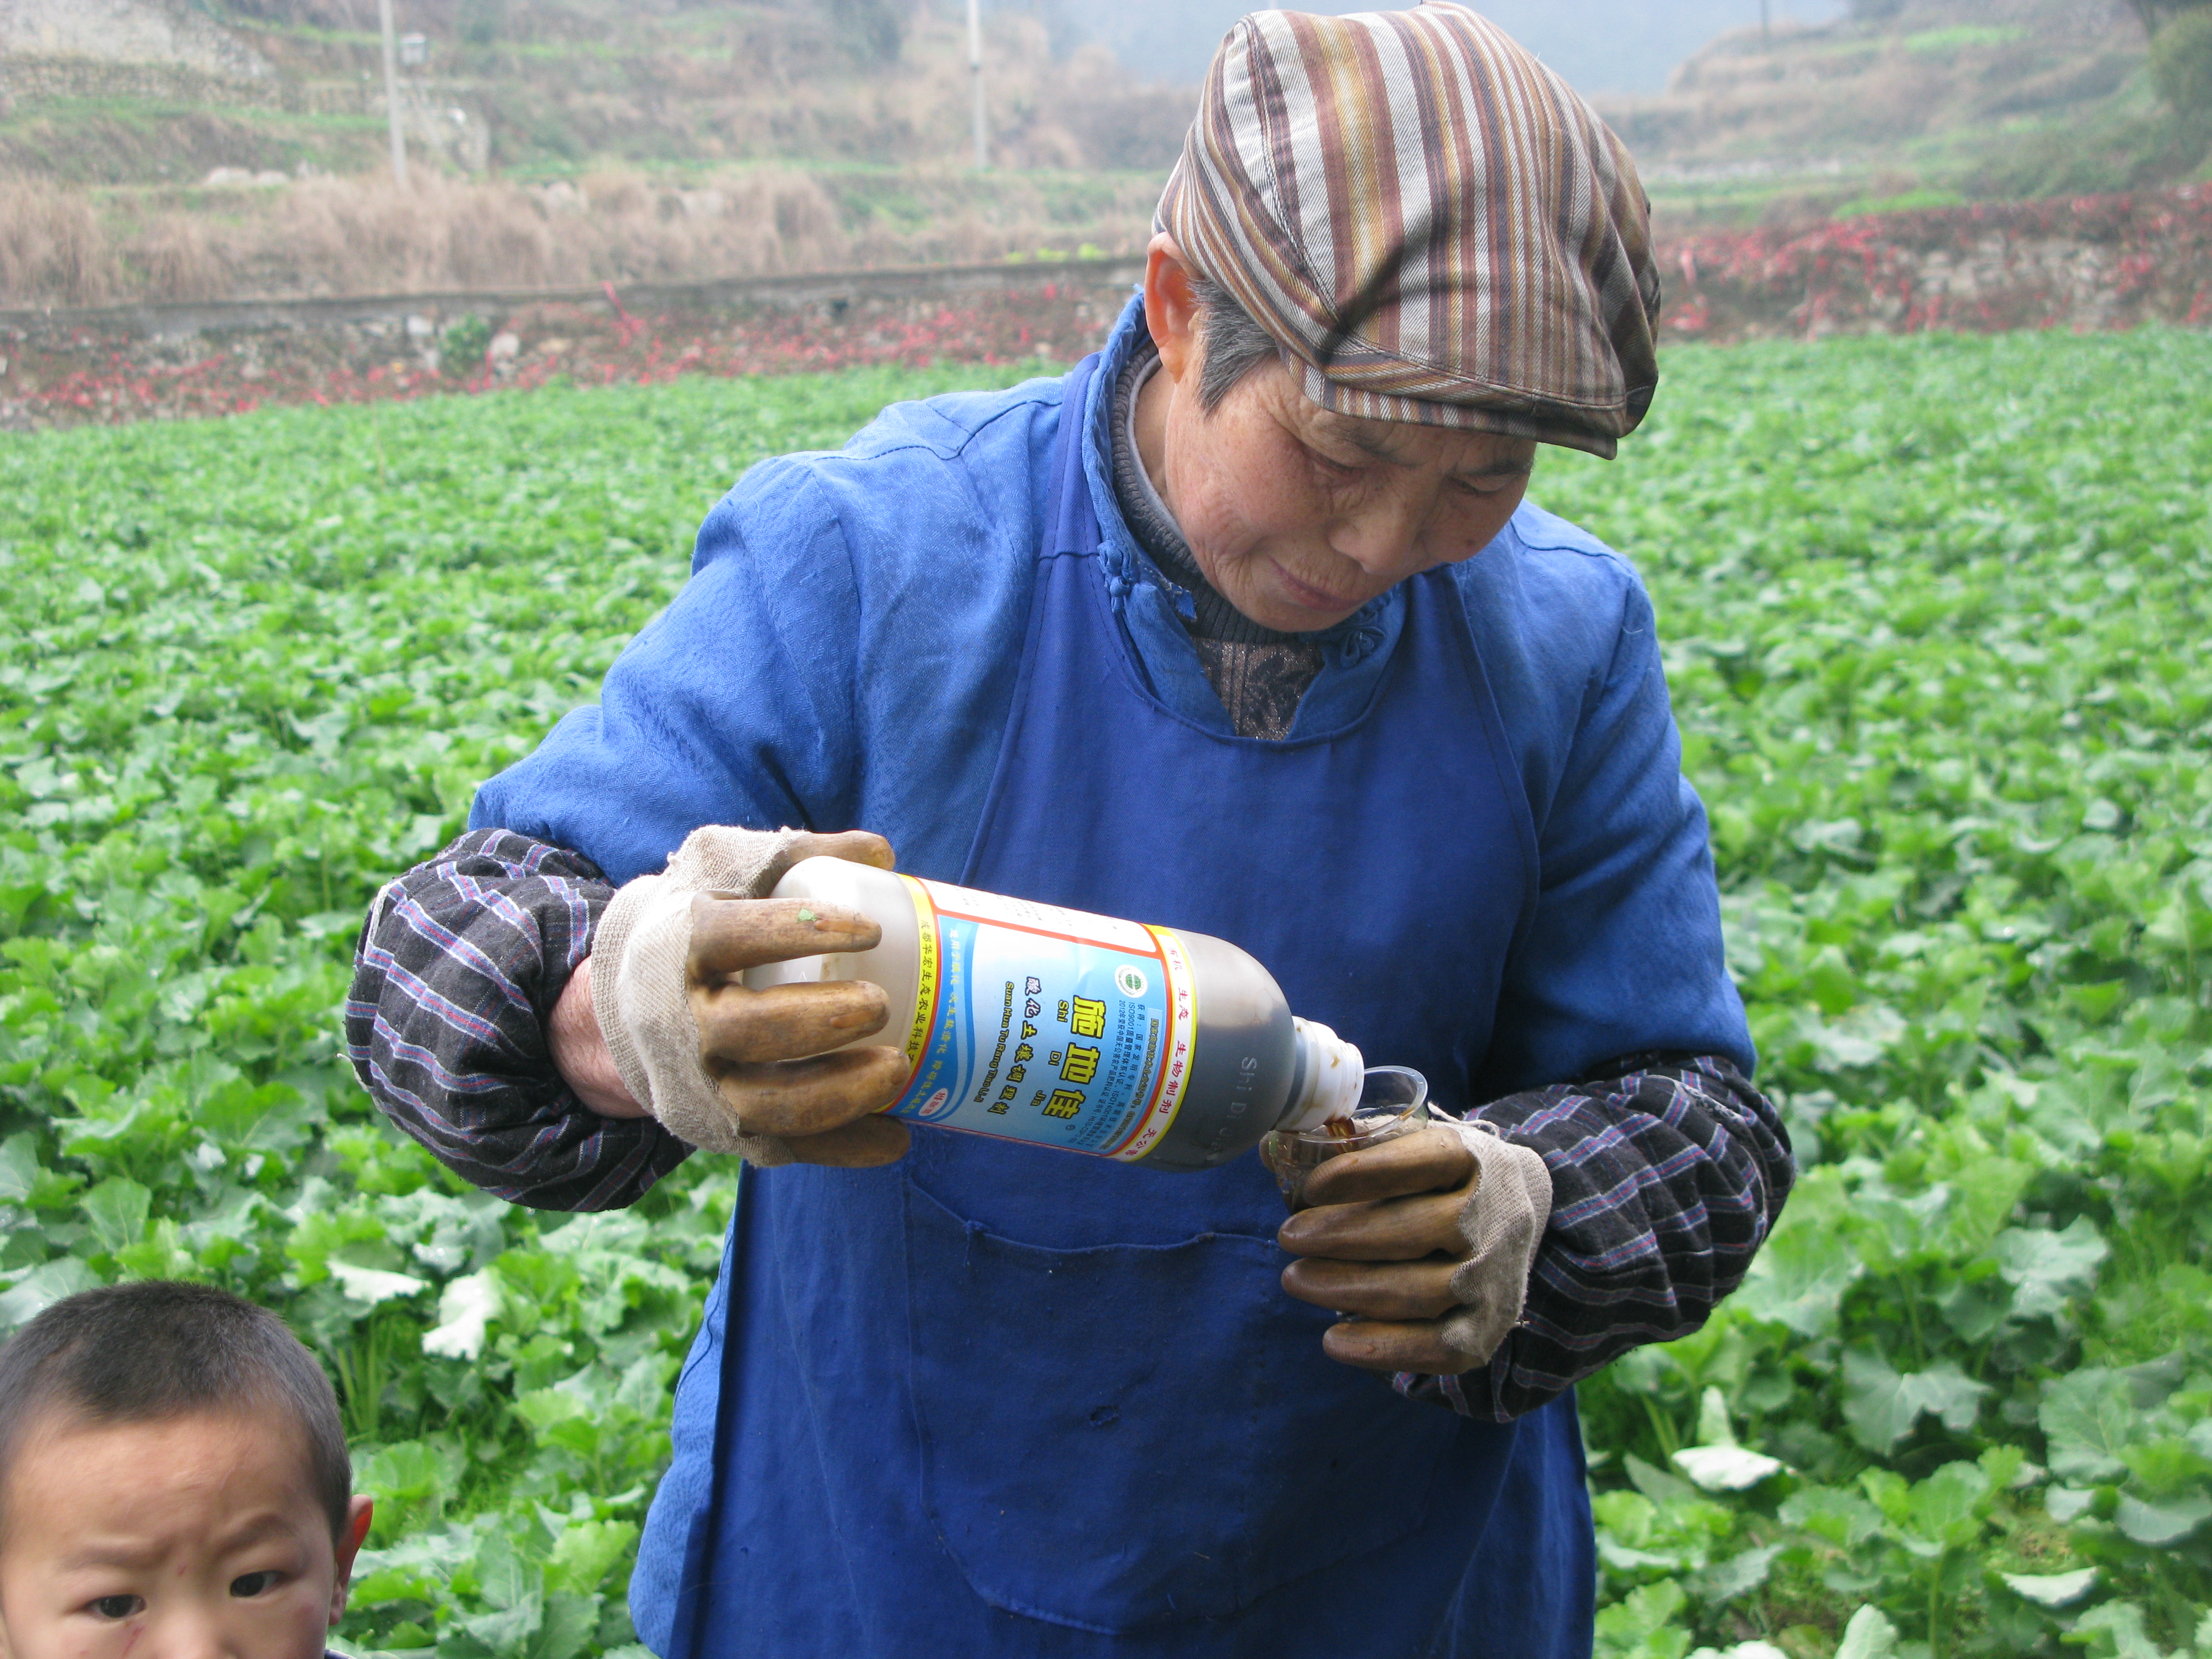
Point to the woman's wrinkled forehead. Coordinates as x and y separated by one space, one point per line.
1404 443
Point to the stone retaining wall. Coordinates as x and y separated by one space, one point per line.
135 362
41 79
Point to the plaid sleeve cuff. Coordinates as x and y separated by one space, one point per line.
1665 1179
455 977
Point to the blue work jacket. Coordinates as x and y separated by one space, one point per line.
845 655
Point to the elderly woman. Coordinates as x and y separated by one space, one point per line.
1243 626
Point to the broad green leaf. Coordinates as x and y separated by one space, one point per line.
645 1382
41 1288
586 1551
371 1286
2005 1469
1881 1405
1799 1277
24 1180
1842 1518
1640 1625
1619 1557
1799 1280
567 1625
2163 1523
1869 1635
19 1168
1986 1191
1725 1468
1714 1428
1738 1576
1656 1483
505 1578
466 1308
1947 1508
506 1631
2048 1269
2122 1621
2088 1417
2052 1590
2065 1504
2164 1466
373 1585
118 1209
1862 1037
546 1408
407 1471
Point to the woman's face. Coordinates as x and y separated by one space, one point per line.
1298 515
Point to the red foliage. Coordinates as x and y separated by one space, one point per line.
2089 262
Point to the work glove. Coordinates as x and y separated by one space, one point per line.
1424 1245
731 1070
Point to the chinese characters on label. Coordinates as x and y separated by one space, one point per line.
1050 1024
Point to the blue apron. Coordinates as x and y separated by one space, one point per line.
1001 1399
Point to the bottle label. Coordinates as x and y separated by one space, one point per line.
1033 1022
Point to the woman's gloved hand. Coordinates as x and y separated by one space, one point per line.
680 1038
1424 1244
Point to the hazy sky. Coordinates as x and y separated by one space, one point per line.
1600 46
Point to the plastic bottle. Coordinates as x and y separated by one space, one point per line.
1032 1023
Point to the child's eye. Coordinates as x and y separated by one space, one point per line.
118 1606
255 1584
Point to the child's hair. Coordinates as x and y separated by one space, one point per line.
142 1352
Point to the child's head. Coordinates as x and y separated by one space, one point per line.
174 1482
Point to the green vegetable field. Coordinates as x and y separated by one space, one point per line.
1936 611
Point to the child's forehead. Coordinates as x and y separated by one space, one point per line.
214 1462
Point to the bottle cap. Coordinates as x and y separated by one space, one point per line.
1330 1074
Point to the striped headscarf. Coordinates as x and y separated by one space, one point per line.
1431 224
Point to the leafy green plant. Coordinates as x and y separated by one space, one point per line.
251 670
461 346
1933 610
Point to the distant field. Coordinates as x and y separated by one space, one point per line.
1935 611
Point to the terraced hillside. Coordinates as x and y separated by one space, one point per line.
1935 103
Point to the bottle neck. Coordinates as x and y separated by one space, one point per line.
1328 1082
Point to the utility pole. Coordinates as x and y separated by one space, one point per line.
391 91
1765 27
975 71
